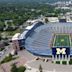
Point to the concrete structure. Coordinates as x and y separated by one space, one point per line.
15 41
30 22
38 40
53 19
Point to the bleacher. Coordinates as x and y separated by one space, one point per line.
40 42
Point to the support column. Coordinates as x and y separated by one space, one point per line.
68 59
59 57
56 58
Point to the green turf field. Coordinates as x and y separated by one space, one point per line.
62 40
71 41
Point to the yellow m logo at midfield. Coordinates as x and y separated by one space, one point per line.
61 51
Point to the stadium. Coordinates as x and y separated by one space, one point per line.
40 38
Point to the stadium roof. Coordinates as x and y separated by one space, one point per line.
22 36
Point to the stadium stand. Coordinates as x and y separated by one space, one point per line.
38 38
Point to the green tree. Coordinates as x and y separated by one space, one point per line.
21 69
14 68
46 20
0 37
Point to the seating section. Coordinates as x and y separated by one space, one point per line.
40 41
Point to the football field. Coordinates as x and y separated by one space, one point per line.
62 40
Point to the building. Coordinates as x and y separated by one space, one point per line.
15 42
53 19
52 39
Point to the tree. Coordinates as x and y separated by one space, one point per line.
17 69
46 20
14 68
40 68
0 37
21 69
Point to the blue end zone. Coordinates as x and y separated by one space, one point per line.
67 51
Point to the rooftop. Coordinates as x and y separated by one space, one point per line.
16 36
